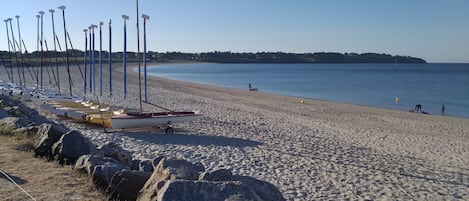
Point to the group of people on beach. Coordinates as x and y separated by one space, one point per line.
418 108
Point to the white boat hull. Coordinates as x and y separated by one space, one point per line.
126 121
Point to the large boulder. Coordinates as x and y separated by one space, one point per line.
218 175
103 173
114 151
148 165
17 108
26 131
9 124
48 135
100 169
264 189
169 169
179 190
87 163
3 113
71 146
126 184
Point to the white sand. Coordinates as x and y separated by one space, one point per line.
316 150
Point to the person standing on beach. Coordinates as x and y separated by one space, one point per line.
443 109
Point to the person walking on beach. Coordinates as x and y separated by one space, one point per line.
443 109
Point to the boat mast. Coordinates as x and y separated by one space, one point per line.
101 58
13 45
37 50
85 56
20 49
93 62
41 13
145 18
9 49
138 61
124 55
66 51
89 59
55 50
110 59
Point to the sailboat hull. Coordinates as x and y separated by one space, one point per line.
135 120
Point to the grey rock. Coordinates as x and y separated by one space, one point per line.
181 190
264 189
100 168
126 184
48 134
170 169
12 123
134 164
148 165
87 163
103 173
71 146
3 113
114 151
218 175
28 131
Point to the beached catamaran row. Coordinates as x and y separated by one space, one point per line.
77 108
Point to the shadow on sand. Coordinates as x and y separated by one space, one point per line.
193 139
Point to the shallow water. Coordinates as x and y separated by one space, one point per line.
377 85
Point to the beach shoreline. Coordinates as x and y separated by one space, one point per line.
312 150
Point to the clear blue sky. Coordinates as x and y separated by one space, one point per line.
436 30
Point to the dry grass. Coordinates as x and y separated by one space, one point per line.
43 180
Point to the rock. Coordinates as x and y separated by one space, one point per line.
126 184
169 169
87 163
71 146
103 173
203 190
157 160
176 168
17 108
114 151
148 165
3 113
9 124
48 134
265 190
27 131
218 175
100 168
134 164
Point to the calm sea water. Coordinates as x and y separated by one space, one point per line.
377 85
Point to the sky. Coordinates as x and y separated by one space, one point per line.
435 30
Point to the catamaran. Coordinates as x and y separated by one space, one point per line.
141 119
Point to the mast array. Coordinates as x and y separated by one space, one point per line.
16 48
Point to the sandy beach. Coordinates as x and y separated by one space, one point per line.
315 150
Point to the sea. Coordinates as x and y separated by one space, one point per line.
392 86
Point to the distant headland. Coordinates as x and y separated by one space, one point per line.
281 57
229 57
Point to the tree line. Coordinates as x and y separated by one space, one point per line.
226 57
